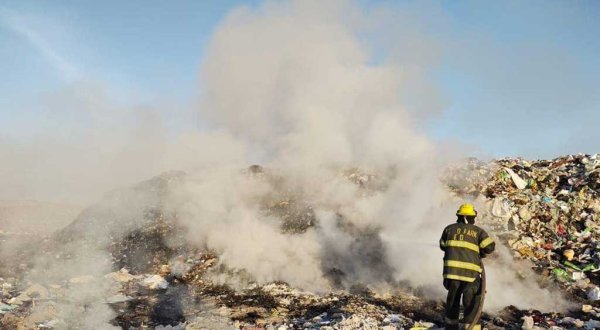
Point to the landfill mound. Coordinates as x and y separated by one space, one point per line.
545 211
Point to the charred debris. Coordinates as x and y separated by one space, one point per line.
545 211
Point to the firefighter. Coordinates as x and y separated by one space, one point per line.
464 244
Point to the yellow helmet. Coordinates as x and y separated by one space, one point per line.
466 209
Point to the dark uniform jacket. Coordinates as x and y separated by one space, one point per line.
464 246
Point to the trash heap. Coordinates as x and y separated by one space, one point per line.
170 300
546 211
160 282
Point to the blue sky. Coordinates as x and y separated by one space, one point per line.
517 78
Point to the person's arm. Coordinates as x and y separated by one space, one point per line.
486 244
443 240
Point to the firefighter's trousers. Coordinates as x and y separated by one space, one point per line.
471 299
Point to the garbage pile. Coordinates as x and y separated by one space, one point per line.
546 211
168 299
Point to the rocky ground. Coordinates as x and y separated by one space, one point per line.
545 211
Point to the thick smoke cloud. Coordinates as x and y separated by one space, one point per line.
294 82
295 87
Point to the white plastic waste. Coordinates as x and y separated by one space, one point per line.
500 208
594 294
155 282
120 276
118 298
592 324
527 323
520 183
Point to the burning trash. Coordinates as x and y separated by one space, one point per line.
156 279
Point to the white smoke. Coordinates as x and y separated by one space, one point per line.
294 83
294 86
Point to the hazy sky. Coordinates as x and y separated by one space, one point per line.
516 78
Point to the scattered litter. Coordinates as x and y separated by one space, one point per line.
6 308
546 211
121 276
569 254
594 294
36 291
119 298
155 282
527 323
520 183
51 324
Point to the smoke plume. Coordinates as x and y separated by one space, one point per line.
299 88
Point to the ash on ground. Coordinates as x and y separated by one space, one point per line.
545 211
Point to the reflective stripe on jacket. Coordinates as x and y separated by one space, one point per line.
464 246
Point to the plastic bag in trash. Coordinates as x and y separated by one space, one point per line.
500 208
520 183
594 294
